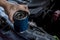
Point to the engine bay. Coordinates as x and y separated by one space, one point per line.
43 23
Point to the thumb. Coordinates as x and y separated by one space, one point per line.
11 18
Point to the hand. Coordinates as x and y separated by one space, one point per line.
2 2
12 8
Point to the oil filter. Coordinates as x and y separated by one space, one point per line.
20 21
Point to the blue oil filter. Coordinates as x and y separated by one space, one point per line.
20 21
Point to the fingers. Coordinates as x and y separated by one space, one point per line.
18 7
11 17
24 8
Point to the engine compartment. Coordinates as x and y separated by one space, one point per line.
43 17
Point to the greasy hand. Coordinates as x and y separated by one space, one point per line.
12 8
